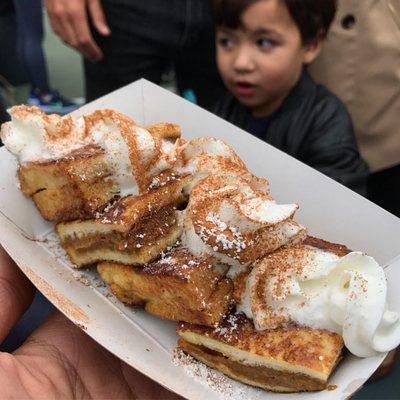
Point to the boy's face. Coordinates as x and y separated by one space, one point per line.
261 61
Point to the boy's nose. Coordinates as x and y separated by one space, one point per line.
243 61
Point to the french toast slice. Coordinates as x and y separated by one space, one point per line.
281 360
177 286
71 187
132 230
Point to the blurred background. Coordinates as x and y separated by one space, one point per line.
64 64
66 74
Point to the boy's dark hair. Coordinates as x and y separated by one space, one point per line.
313 17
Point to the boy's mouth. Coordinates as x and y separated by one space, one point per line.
243 88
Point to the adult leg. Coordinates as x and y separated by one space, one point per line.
29 42
195 66
142 35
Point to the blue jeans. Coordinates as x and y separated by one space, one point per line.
29 42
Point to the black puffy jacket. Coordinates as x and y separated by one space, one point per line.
313 126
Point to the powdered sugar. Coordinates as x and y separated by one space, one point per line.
236 243
226 388
52 245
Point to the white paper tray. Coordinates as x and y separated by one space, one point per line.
327 209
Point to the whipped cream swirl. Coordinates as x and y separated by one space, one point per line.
205 156
31 135
319 289
134 155
233 220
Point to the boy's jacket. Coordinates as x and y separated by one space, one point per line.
313 126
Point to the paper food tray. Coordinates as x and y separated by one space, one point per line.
328 209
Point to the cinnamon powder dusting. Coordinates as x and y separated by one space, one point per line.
74 312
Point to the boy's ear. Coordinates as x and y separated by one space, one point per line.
311 50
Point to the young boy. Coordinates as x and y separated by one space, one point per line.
263 48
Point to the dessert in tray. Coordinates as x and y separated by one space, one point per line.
183 229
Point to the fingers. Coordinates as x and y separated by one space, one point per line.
16 293
98 18
97 369
91 362
42 368
84 42
69 21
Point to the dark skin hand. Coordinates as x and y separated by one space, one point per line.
70 21
59 360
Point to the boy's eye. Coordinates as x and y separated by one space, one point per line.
265 44
225 42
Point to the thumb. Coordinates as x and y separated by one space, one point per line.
16 293
97 15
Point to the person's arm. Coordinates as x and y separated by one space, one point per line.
331 147
59 360
70 21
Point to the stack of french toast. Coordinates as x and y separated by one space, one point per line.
183 229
